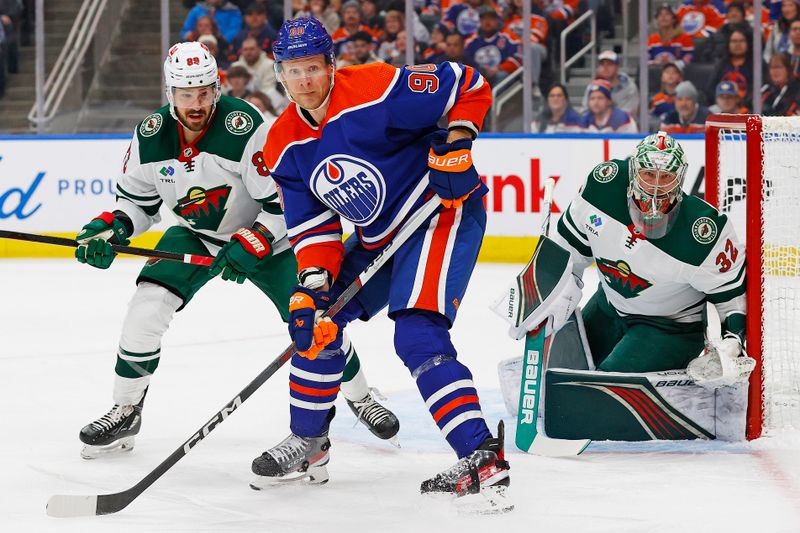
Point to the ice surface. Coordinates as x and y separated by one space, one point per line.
59 327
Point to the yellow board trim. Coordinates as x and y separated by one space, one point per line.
493 250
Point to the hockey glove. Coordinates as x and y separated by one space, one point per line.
452 175
723 363
240 257
309 332
96 238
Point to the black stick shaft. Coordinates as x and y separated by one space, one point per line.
111 503
130 250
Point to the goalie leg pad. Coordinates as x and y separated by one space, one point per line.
640 406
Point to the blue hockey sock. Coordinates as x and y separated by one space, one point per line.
313 386
423 343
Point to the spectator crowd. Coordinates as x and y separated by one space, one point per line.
700 52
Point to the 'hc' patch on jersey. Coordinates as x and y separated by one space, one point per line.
350 186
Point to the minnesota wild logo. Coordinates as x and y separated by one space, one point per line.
203 209
605 172
150 125
619 277
238 122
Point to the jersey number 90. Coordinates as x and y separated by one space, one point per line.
423 79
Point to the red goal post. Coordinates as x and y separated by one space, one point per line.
752 174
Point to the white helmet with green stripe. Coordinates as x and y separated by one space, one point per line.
657 170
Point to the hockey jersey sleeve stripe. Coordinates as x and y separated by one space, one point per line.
137 198
325 218
729 285
273 208
334 227
574 228
572 240
327 255
469 105
721 297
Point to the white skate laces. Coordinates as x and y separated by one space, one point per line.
369 410
113 417
289 449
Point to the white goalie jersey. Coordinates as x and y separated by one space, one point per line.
699 260
213 186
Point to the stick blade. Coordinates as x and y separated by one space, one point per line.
548 447
69 506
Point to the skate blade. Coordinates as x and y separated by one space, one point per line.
394 441
315 475
123 445
489 501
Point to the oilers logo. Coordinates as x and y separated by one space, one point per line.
693 22
350 186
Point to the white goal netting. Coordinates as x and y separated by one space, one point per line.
780 267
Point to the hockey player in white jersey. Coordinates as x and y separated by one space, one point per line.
661 255
201 157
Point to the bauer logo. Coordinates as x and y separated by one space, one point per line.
350 186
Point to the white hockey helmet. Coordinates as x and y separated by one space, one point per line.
190 64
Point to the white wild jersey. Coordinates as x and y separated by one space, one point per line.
699 260
214 186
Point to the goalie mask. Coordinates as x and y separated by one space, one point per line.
657 170
191 66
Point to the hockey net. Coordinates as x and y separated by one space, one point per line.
753 176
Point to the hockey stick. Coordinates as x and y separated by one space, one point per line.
202 260
65 505
531 393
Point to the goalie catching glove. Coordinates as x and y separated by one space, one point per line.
724 363
242 255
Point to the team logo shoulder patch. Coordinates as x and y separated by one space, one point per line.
704 230
151 125
238 122
605 172
351 186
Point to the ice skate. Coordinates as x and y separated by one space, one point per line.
293 459
482 476
378 419
113 432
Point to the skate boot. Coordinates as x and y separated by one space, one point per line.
293 459
113 432
378 419
484 472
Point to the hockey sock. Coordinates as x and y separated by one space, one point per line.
423 343
354 383
313 386
149 314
